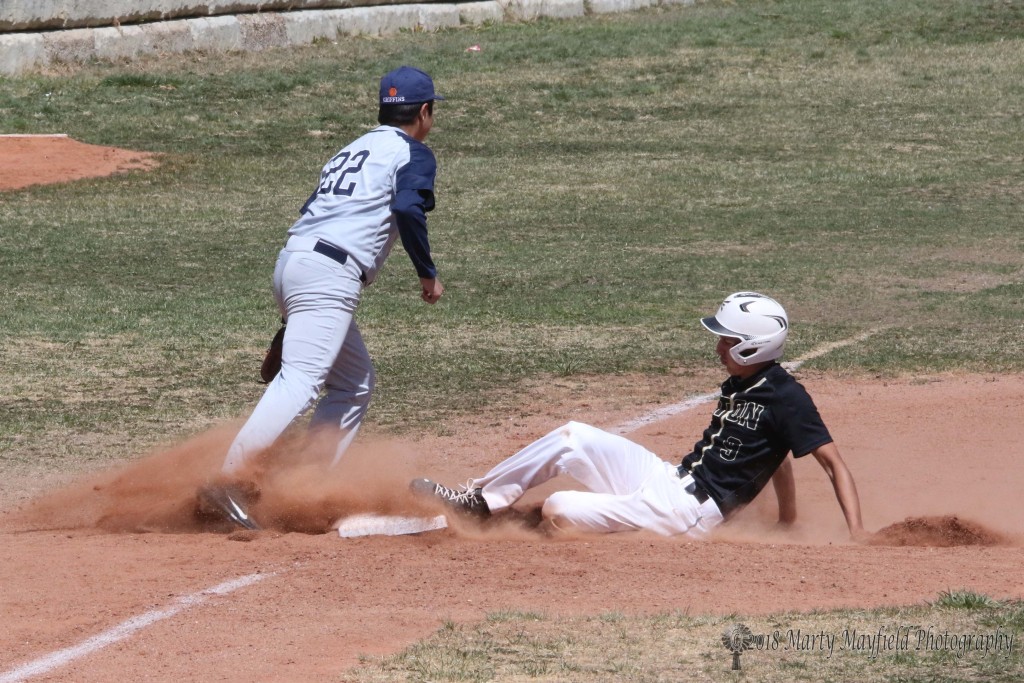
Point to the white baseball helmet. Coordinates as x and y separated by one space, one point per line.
758 321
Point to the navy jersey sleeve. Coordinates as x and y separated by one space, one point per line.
414 197
799 423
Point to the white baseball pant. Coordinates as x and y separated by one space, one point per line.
629 488
322 347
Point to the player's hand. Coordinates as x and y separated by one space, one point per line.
432 289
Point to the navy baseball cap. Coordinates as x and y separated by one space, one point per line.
407 85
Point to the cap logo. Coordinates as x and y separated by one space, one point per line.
393 97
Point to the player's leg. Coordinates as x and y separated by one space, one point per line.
319 297
660 504
350 383
600 461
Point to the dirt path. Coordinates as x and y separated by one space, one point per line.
43 160
324 601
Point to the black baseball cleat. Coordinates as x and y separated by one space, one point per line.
468 501
229 503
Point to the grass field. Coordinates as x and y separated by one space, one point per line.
603 182
962 636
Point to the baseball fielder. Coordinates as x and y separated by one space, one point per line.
374 191
763 414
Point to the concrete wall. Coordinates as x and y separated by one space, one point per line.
23 52
36 15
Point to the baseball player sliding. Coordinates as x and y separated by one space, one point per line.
374 191
763 414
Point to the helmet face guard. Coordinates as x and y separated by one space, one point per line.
759 323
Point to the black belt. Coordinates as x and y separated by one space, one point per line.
693 488
335 254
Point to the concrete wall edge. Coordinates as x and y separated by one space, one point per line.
22 53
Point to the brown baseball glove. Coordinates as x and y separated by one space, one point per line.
272 360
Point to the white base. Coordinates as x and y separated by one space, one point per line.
371 524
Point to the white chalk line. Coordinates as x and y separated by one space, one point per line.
690 403
123 630
34 135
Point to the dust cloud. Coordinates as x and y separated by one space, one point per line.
298 491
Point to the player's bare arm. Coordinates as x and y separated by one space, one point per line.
785 492
846 490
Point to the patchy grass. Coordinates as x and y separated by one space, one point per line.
936 642
604 182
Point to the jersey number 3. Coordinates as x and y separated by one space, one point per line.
332 179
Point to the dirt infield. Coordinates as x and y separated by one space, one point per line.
118 568
79 561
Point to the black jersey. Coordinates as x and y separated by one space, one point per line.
758 421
